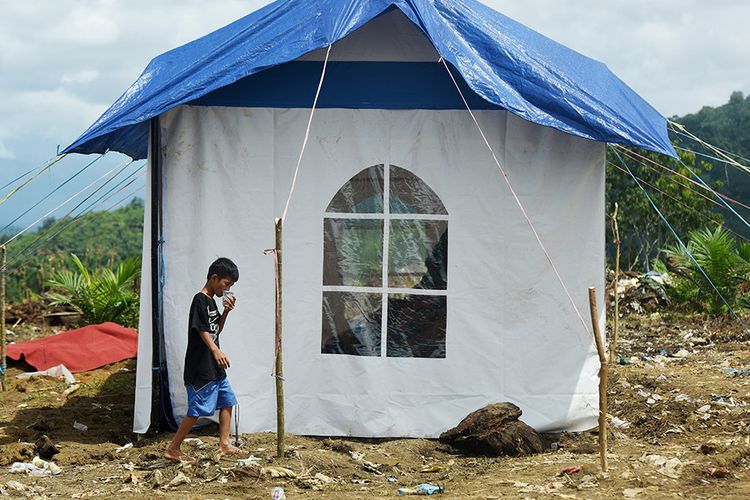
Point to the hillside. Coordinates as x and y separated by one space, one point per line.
98 238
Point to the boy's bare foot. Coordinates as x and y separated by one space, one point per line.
177 456
229 449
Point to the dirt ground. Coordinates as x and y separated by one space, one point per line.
679 427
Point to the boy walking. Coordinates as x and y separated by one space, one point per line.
205 364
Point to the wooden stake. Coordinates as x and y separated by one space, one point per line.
3 364
603 377
615 327
279 365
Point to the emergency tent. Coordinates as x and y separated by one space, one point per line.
414 291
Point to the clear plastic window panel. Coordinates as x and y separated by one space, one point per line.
363 193
352 323
416 326
410 195
353 252
418 254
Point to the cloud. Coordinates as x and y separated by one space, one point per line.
6 153
80 77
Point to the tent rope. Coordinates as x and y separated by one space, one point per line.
517 200
38 243
18 178
48 194
679 240
677 127
307 133
41 171
64 203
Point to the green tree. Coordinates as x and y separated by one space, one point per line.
642 232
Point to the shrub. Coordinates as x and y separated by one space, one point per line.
102 296
725 261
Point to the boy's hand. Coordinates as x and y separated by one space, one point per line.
221 359
229 303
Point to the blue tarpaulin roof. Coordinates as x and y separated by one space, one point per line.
501 60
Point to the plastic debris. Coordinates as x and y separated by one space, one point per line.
736 373
55 371
392 479
422 489
80 427
682 397
276 471
277 493
37 467
569 471
623 361
704 409
620 423
124 447
249 461
179 479
15 486
432 468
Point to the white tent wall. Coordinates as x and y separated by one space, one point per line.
143 385
512 334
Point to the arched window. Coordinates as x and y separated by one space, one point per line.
385 267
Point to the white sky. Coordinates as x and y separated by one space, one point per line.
63 62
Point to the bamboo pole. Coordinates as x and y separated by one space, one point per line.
3 364
279 364
603 377
615 326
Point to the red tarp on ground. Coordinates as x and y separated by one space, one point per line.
79 350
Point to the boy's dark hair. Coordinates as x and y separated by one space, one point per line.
224 268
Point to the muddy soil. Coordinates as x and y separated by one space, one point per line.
679 427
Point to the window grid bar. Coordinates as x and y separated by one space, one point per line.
386 245
336 215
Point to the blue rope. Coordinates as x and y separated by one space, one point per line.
51 193
679 240
94 203
716 158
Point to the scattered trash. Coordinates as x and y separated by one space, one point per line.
277 472
682 353
682 397
569 471
80 427
620 423
124 447
392 479
37 467
704 409
324 479
623 361
179 479
707 449
55 371
422 489
736 373
432 468
669 467
277 493
249 461
70 390
718 472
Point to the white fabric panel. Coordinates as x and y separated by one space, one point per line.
390 37
512 335
142 410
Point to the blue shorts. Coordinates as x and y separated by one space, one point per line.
214 395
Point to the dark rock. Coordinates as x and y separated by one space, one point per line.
494 430
45 448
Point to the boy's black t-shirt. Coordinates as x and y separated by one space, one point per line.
200 365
